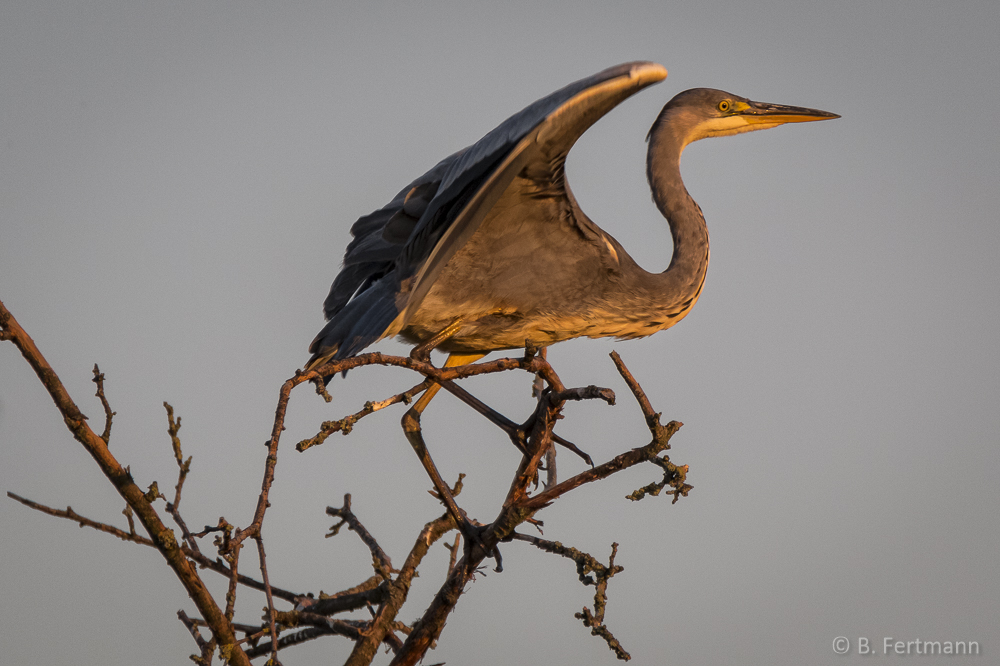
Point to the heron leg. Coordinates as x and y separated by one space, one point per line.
550 456
454 360
518 433
411 427
422 352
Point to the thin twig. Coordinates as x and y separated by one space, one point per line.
453 550
384 591
270 599
380 560
108 414
616 464
346 424
127 512
183 468
595 620
69 514
591 572
429 627
221 568
207 647
161 535
199 557
385 619
320 626
371 592
232 556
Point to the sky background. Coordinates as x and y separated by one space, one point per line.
178 181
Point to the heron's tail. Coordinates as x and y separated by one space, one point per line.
366 319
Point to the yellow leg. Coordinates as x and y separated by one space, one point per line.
422 352
411 427
454 360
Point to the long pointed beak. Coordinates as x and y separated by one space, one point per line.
779 114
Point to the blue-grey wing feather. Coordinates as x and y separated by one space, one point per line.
393 244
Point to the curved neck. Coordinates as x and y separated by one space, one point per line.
681 282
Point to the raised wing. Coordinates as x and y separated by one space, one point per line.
399 250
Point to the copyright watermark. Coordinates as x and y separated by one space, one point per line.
897 646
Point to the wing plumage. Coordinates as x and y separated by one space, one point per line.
398 250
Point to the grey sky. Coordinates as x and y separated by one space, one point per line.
177 185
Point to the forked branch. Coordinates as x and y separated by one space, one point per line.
385 593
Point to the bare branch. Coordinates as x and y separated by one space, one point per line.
221 568
595 620
270 599
616 464
380 561
232 556
127 512
453 550
586 393
429 627
122 480
69 514
372 592
183 467
346 424
207 647
591 572
385 593
320 626
384 620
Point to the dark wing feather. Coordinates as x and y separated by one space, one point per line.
393 260
378 239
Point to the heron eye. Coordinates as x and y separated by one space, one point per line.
724 105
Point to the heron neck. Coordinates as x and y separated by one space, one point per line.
681 282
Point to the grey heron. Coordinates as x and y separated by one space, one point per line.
489 250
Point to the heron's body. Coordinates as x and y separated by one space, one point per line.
491 246
492 282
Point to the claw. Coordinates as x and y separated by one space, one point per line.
473 539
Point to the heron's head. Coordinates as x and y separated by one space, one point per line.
700 113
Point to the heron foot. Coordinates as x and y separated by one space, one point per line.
472 533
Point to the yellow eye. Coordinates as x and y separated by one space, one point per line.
725 105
